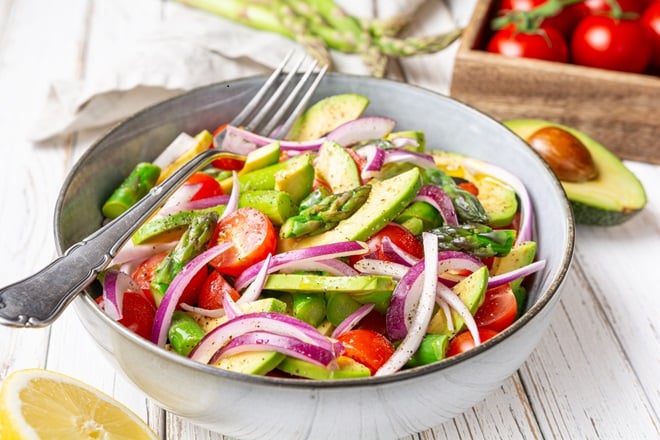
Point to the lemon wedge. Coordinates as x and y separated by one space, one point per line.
42 404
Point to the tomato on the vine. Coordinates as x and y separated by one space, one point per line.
604 7
651 22
609 43
564 21
545 43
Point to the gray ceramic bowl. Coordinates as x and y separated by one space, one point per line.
265 407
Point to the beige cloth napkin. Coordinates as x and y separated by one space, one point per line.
191 48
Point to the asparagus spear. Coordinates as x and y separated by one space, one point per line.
137 185
468 207
313 44
325 214
192 243
475 239
404 47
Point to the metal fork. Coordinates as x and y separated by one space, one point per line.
38 300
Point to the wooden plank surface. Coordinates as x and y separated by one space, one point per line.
594 375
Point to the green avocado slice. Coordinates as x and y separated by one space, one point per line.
611 198
328 114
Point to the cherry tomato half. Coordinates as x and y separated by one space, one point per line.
612 44
139 312
213 291
368 347
145 272
208 186
463 341
399 235
252 236
498 310
546 43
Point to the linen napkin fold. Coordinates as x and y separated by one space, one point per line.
188 49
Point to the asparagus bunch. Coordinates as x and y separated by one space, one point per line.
192 243
320 25
468 208
325 214
475 239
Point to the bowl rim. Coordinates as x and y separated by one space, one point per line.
543 300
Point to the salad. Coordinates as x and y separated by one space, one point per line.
347 250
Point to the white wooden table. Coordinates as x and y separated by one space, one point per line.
595 375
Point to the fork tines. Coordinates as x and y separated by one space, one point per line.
268 112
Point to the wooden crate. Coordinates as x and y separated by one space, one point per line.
620 110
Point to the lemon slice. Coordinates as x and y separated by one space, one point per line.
41 404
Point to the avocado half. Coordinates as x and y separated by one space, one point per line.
610 199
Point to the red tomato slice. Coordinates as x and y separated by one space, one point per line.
498 310
145 272
368 347
208 186
213 290
469 187
463 341
226 163
399 235
252 236
374 321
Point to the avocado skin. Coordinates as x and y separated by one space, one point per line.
625 195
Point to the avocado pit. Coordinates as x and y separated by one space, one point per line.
566 155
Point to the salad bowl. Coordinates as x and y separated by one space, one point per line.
247 406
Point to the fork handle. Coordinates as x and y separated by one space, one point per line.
38 300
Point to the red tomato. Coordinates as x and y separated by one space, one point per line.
213 291
463 341
226 163
145 272
399 235
138 313
651 22
469 187
545 44
368 347
603 7
252 236
564 21
208 186
608 43
498 310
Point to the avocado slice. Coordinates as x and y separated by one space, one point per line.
169 227
612 198
520 255
472 291
337 168
327 114
499 200
386 201
296 179
325 283
347 369
261 157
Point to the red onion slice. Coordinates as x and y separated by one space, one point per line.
524 271
352 320
229 305
232 204
396 254
332 266
395 317
244 140
361 129
131 252
314 253
446 310
179 199
422 160
207 202
454 260
254 290
374 160
423 311
275 323
175 290
379 267
181 144
209 313
115 285
525 232
265 341
439 199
